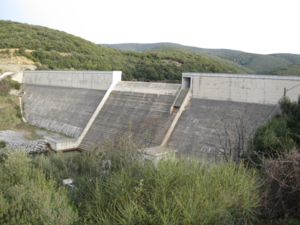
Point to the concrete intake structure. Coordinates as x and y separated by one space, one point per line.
200 116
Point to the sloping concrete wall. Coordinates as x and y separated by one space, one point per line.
65 101
263 89
136 106
206 125
60 109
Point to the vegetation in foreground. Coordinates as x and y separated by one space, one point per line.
274 151
126 191
28 197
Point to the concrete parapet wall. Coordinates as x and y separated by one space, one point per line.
99 80
148 87
263 89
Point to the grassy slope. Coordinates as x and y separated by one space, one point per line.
9 105
254 63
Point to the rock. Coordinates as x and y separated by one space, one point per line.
31 146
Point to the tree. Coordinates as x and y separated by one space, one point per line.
279 135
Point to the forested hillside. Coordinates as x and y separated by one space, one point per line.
261 64
55 50
293 69
247 62
177 49
144 47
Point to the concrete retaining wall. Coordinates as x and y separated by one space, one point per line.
99 80
261 89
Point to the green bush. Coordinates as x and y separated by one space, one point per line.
35 60
6 85
2 144
282 185
17 85
19 115
279 135
27 197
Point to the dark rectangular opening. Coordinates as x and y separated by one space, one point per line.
186 83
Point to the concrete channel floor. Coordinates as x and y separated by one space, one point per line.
19 136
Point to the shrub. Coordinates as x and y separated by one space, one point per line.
35 60
17 85
279 135
19 115
29 56
282 184
174 192
22 50
27 197
2 144
4 87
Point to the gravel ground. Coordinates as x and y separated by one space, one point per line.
32 146
15 140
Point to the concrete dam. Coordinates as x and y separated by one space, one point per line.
204 114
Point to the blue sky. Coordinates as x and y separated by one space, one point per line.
257 26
